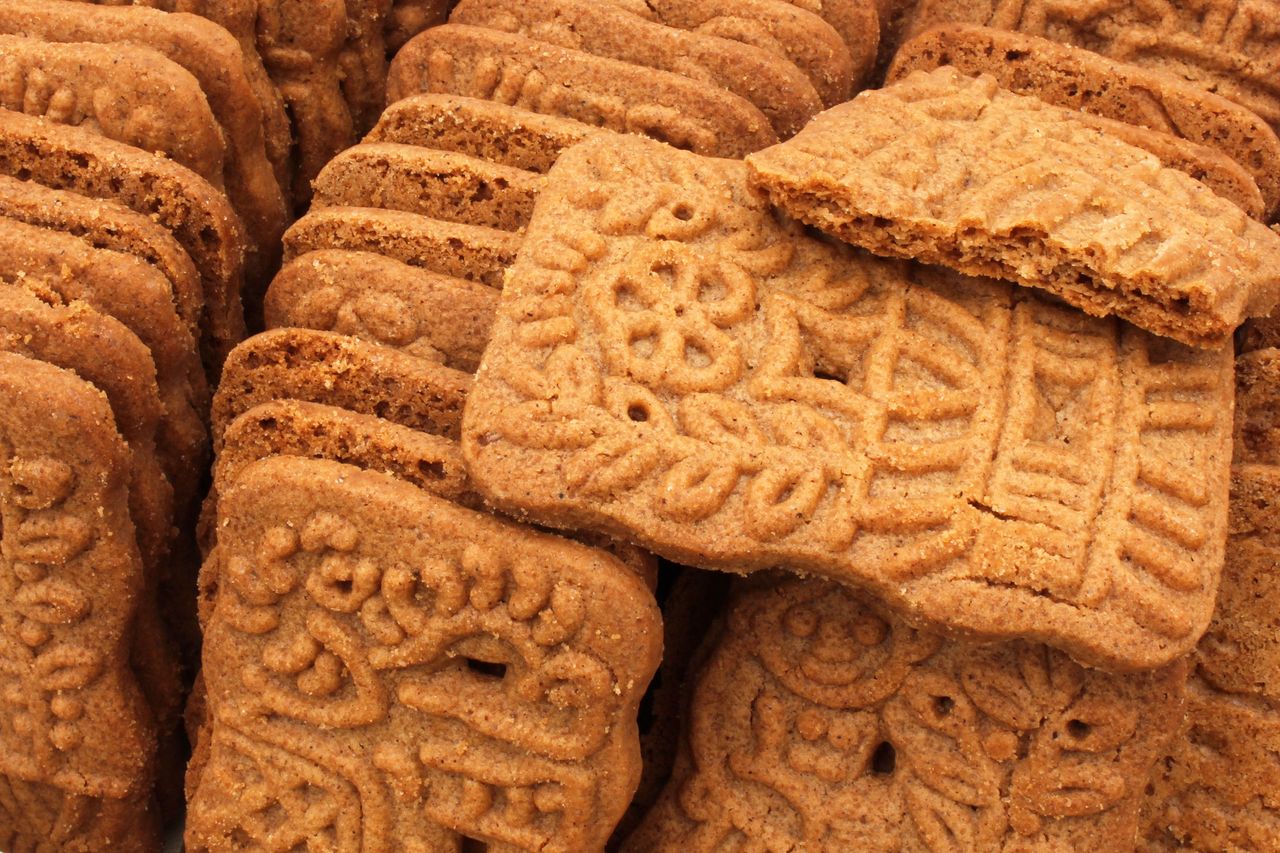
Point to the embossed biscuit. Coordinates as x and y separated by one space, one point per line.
65 269
1257 417
778 26
363 59
131 94
479 63
76 767
857 22
106 224
820 723
241 19
1083 80
509 136
469 252
192 210
340 711
214 58
773 84
1228 48
953 170
437 184
675 365
439 318
337 370
410 17
1259 333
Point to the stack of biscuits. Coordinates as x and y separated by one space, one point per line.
779 425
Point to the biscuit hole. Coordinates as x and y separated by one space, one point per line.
943 705
1078 729
823 374
637 413
884 759
487 669
23 174
483 192
431 470
695 356
682 211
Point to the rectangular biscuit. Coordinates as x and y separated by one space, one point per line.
77 746
1080 79
676 365
469 678
774 84
437 184
508 136
480 63
470 252
439 318
952 170
819 722
337 370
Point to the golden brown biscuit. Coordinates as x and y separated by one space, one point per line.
195 213
384 301
953 170
820 722
462 251
773 84
675 365
479 63
1083 80
371 643
77 747
436 184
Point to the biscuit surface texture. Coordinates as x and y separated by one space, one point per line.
674 364
818 723
952 170
387 671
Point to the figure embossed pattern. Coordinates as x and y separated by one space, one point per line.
675 364
820 724
1228 46
388 671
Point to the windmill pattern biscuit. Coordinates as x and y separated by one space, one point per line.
1231 47
74 735
820 724
470 252
952 170
353 673
675 366
479 63
1082 80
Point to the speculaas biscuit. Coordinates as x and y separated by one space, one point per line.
468 252
193 211
337 370
479 63
106 224
953 170
821 723
857 22
1228 48
241 19
131 94
363 60
410 17
439 318
776 86
1259 333
494 667
65 269
215 59
485 129
1257 420
436 184
1083 80
783 28
76 744
676 366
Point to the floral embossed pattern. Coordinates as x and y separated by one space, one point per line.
388 671
673 363
1231 47
819 723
